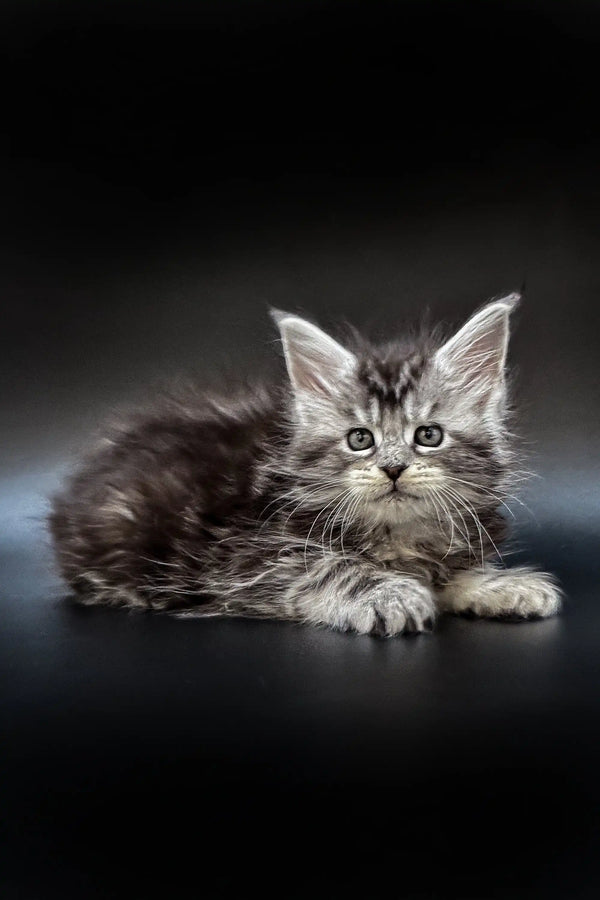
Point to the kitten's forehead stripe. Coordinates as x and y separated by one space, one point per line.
390 379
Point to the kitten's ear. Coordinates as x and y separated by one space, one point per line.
317 364
474 358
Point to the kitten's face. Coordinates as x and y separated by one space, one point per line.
398 434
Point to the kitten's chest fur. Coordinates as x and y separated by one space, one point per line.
390 546
406 550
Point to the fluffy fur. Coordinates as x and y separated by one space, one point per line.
256 505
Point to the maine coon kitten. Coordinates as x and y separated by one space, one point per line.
366 494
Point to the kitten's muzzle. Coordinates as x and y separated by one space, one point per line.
393 472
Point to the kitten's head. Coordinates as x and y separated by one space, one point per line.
401 431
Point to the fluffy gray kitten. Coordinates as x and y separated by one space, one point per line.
366 494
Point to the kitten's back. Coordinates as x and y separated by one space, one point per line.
157 481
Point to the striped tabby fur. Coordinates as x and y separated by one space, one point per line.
256 505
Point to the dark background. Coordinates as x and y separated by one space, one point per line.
169 170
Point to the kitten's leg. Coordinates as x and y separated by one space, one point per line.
353 596
519 593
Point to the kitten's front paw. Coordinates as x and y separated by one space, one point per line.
394 607
517 593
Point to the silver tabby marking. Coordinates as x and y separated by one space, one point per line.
257 505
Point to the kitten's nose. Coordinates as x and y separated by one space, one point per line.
393 472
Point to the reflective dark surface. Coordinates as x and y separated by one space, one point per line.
169 173
207 756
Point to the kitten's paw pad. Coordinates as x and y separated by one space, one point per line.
392 609
513 597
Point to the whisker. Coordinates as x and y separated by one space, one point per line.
331 518
315 520
466 535
488 492
432 496
479 524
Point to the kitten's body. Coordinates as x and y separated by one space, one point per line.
256 505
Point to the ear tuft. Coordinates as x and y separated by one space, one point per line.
278 315
511 301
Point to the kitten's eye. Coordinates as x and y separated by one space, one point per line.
429 436
360 439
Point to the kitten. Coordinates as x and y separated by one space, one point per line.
364 495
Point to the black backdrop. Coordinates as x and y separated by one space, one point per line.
169 171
